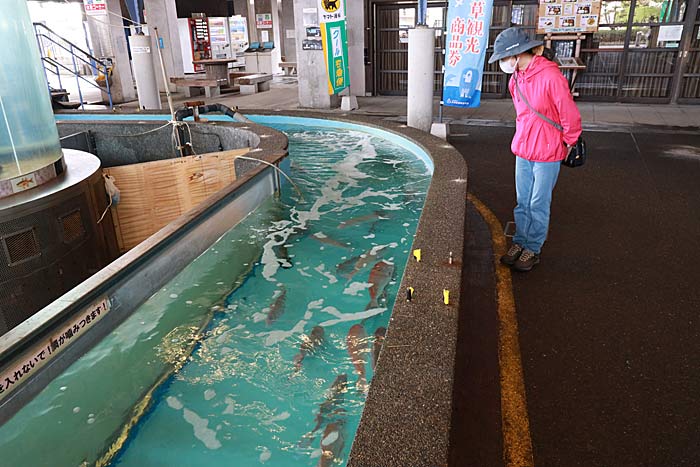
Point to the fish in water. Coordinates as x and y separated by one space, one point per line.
277 307
379 277
357 348
358 220
332 443
329 241
309 344
283 257
330 406
379 336
352 266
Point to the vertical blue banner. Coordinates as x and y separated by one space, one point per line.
467 38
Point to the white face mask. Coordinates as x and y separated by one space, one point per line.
507 66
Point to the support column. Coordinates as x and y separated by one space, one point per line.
108 39
421 76
162 14
311 65
277 37
355 20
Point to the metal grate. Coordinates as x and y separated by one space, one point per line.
21 246
72 226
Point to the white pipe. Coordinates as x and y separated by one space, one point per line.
421 77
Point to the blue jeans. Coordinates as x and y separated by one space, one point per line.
534 183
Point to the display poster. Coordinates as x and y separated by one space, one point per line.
563 16
217 31
95 7
334 38
467 39
263 21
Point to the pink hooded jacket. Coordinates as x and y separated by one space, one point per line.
547 91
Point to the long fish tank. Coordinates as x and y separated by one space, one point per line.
262 350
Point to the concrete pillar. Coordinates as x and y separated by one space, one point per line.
355 14
162 14
421 76
108 39
277 35
311 65
287 24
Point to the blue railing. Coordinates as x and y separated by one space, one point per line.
46 37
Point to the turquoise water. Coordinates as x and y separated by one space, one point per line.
227 331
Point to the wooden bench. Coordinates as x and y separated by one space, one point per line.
212 87
251 84
290 68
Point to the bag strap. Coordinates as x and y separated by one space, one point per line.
546 119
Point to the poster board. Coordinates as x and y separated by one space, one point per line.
566 16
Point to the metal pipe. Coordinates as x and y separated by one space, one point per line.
422 12
165 77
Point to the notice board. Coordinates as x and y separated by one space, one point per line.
564 16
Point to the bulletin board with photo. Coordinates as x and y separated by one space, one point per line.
565 16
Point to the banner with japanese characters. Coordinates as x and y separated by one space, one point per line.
334 38
467 39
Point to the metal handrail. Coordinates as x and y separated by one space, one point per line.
57 65
92 61
88 54
82 59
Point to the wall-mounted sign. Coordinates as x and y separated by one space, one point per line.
313 32
671 33
263 21
562 16
95 7
335 43
44 351
467 40
312 44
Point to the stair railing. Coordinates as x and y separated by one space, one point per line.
47 37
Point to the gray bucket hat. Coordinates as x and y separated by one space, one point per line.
511 42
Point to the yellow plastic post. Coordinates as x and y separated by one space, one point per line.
446 296
416 254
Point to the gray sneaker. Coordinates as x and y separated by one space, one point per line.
527 260
512 256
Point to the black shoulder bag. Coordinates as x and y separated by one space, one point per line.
577 154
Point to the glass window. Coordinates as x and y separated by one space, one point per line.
434 17
646 37
666 11
407 18
609 37
615 11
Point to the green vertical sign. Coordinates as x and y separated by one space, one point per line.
335 44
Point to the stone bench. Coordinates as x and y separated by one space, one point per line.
212 87
251 84
290 68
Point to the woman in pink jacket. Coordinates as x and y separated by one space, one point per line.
538 146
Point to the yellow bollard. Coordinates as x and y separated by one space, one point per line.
416 254
446 296
409 294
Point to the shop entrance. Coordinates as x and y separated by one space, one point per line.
390 23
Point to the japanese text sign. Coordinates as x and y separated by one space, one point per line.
468 24
335 43
32 360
